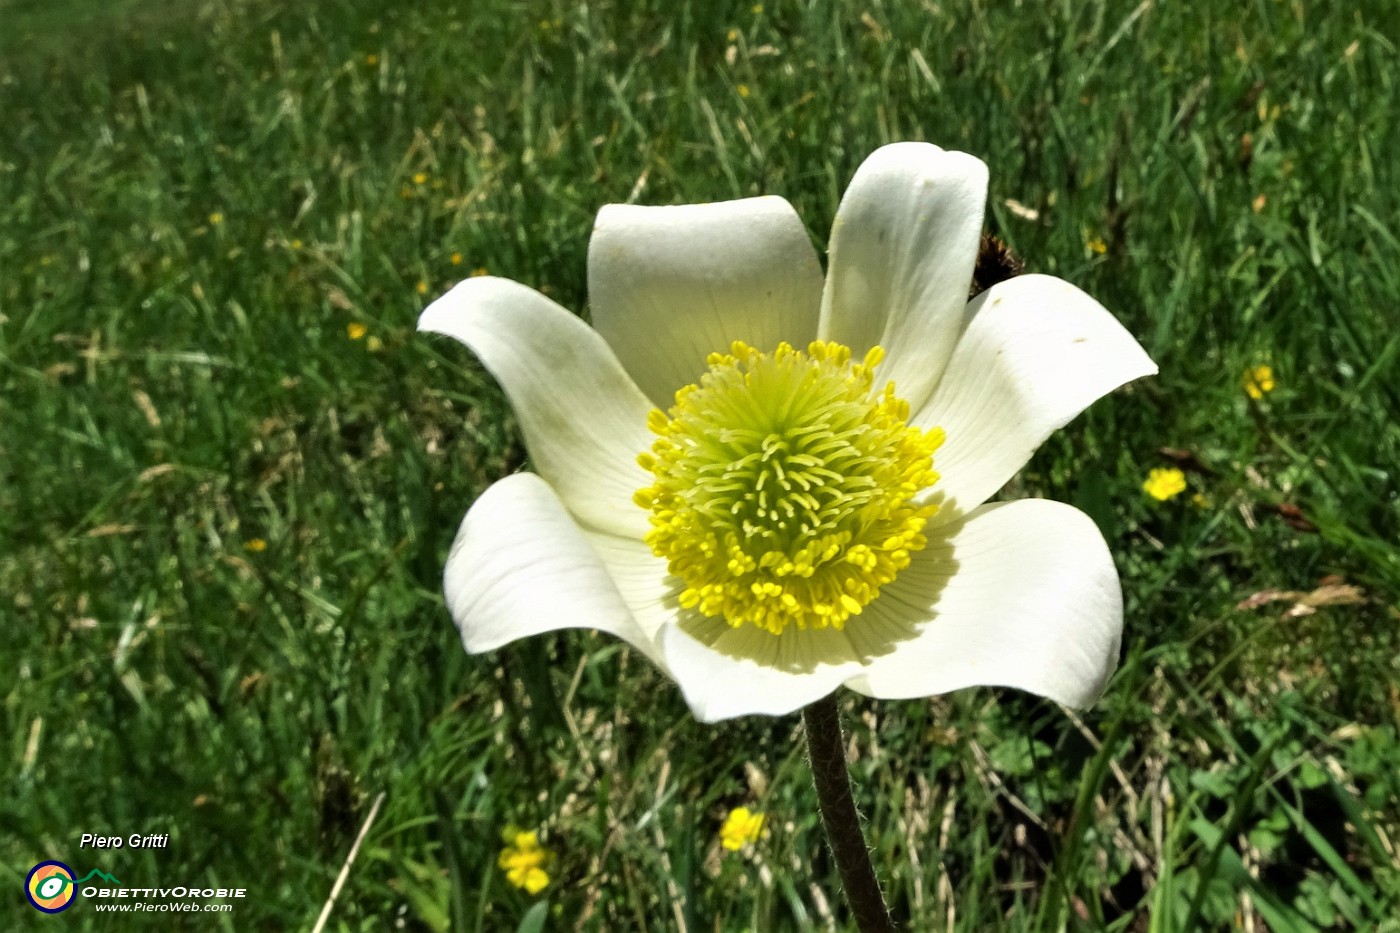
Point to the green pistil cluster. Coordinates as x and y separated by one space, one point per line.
784 486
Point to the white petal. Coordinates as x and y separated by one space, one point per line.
670 285
521 566
1021 594
1037 352
902 251
583 419
726 672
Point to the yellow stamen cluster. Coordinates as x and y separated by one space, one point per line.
784 486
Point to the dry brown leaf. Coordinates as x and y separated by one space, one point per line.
148 408
1335 594
1332 592
1263 597
112 528
337 297
1022 211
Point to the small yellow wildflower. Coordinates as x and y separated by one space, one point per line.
1200 501
1165 483
420 177
255 545
371 59
216 218
523 859
732 35
1258 381
422 287
374 344
479 271
740 828
456 259
295 244
1097 246
756 9
355 330
743 90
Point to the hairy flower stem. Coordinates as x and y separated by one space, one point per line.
827 750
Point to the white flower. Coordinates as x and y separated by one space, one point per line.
812 545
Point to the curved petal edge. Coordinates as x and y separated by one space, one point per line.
903 247
1019 594
521 566
1035 353
583 419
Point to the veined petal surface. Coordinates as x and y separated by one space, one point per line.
903 247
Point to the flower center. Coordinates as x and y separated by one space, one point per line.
784 486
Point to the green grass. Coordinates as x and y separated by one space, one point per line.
176 388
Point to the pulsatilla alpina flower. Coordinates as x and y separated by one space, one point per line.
774 483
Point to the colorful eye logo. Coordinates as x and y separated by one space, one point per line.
50 887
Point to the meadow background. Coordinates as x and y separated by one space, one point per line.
230 469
